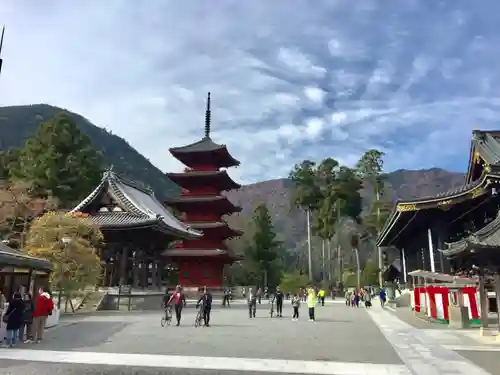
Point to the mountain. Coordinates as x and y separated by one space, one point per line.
18 123
291 224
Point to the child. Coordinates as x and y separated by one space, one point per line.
311 303
295 305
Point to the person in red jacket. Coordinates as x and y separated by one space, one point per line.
43 308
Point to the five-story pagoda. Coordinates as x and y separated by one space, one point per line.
201 261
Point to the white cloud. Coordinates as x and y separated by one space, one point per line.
333 80
315 94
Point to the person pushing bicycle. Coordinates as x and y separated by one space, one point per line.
206 304
179 300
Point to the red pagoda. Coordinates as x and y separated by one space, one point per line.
201 262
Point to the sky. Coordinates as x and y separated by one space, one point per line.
290 79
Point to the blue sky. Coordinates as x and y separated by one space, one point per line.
290 79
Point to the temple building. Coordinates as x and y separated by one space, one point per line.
455 230
201 261
136 227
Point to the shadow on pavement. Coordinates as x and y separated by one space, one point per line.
77 335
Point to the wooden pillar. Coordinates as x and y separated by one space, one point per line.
135 269
145 269
497 291
123 266
483 301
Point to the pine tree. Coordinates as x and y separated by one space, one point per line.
264 249
59 160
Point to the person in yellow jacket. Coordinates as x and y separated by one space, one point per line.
321 297
311 303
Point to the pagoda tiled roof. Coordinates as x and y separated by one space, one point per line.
15 258
198 198
212 225
221 176
195 252
141 208
203 145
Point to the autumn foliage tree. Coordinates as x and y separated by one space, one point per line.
76 263
17 209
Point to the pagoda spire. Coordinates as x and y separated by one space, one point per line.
207 118
1 44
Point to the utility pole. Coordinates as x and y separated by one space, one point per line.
379 249
339 250
309 252
323 260
1 44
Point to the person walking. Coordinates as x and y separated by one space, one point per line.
278 297
25 330
14 317
3 303
367 297
43 308
252 303
321 295
227 297
382 296
179 300
259 295
206 301
295 306
311 304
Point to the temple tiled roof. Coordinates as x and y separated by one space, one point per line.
140 206
445 194
486 237
15 258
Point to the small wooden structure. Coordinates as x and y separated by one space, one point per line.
20 271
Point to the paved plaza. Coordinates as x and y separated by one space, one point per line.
343 341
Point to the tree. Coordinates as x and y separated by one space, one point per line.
293 281
59 160
370 273
17 209
339 198
305 196
263 249
7 159
71 243
369 168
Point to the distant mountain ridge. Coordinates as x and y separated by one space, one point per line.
17 123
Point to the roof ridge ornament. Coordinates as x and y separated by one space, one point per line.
208 115
108 172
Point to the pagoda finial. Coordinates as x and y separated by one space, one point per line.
207 118
1 44
1 38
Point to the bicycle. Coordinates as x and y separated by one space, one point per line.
271 310
199 316
167 318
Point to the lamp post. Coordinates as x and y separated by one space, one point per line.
66 241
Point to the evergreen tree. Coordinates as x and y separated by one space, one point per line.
59 160
263 250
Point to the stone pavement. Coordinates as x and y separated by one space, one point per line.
343 341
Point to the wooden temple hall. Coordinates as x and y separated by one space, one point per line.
136 227
457 231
